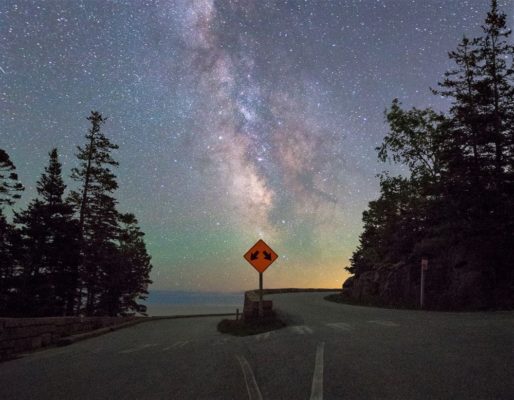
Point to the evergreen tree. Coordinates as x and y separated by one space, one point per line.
461 85
98 218
496 90
50 242
9 193
127 278
496 105
457 202
9 184
8 267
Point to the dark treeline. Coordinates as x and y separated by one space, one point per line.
456 207
73 254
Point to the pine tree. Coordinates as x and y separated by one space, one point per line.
98 218
9 184
461 85
9 193
50 240
496 106
496 90
8 267
127 279
457 202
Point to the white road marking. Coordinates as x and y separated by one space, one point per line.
262 336
134 349
301 329
342 326
317 377
254 392
383 323
180 343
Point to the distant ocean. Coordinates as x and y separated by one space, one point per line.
164 302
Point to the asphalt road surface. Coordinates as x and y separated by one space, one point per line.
328 351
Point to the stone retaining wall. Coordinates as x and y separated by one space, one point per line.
251 304
18 335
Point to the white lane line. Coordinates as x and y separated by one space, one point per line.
317 377
342 326
134 349
383 323
180 343
254 392
301 329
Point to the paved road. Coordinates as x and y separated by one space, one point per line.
329 351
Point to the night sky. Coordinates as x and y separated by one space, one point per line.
236 120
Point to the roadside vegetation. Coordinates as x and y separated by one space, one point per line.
455 205
74 254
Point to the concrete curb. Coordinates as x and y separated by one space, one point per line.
67 340
190 316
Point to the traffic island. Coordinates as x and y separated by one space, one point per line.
251 322
241 327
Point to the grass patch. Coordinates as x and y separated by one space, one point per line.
242 328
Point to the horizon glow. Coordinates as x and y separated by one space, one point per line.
236 120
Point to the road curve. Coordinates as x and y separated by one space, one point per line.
328 351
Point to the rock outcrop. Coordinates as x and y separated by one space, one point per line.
456 280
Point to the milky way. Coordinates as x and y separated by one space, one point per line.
236 120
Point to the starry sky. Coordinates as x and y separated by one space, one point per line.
236 119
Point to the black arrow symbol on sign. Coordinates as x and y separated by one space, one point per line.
267 256
254 255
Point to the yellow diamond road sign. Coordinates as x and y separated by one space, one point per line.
260 256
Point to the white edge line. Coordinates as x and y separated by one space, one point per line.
134 349
317 377
250 381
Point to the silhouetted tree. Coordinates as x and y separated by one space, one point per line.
496 92
9 193
50 243
459 195
9 184
126 279
8 267
98 218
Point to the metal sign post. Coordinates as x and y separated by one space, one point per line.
424 267
261 308
260 256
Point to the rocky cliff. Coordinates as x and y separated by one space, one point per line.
454 281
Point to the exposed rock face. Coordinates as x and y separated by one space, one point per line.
384 285
454 281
